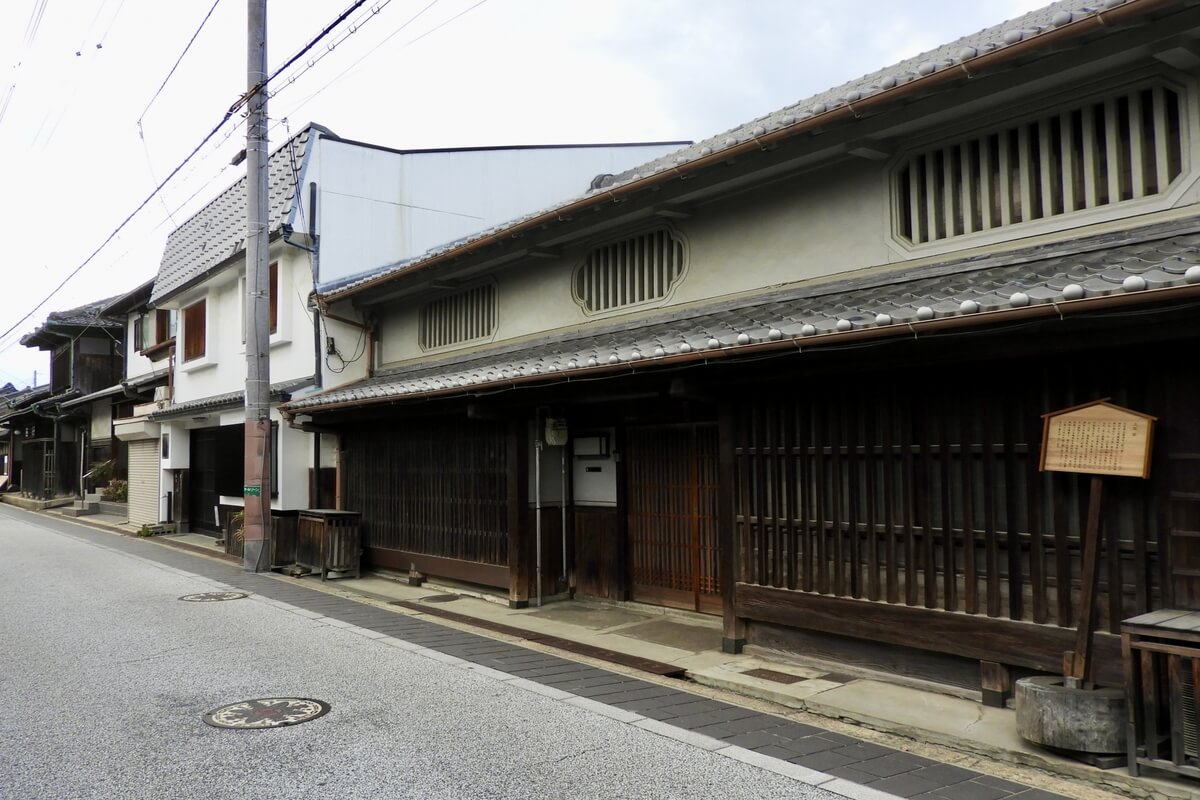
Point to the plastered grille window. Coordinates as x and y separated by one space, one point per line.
629 272
465 316
1098 154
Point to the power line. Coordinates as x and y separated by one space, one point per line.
175 66
242 101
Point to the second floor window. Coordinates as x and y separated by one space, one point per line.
194 332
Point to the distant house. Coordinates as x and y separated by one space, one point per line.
339 210
794 374
56 440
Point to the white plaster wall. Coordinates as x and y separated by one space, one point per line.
377 207
818 224
135 363
223 367
101 425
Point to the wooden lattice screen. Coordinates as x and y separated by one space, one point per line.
929 494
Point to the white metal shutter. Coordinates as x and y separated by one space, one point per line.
143 482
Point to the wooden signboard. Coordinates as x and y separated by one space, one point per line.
1097 438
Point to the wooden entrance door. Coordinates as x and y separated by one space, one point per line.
671 480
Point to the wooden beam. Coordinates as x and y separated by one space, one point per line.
519 577
970 636
457 569
733 636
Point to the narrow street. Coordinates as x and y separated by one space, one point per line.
105 676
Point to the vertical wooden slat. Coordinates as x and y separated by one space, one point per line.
1112 141
1112 556
1005 177
1009 408
949 545
986 189
1091 185
762 473
803 443
1035 509
968 186
931 210
915 211
1066 151
928 545
1028 186
819 427
1175 705
1137 146
1161 161
871 462
850 433
778 503
1149 701
946 157
1046 156
970 571
836 440
890 526
791 490
906 442
987 408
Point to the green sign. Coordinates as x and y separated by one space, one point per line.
252 491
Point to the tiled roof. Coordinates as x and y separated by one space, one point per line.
220 402
948 56
1059 274
13 404
85 316
217 232
150 378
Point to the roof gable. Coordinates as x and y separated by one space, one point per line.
217 233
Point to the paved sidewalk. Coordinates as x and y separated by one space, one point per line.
845 764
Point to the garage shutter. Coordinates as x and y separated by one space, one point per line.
143 482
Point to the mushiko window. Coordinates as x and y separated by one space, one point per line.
1101 153
632 271
465 316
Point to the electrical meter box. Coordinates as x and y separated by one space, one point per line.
594 468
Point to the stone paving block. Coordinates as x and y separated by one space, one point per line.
758 739
895 764
971 790
864 751
809 745
906 785
680 735
1038 794
851 773
604 709
755 724
1001 783
946 774
854 791
794 771
824 760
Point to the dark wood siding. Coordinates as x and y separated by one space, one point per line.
920 488
435 487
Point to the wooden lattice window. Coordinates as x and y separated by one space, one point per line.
465 316
194 331
632 271
1101 153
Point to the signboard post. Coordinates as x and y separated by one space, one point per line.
1095 439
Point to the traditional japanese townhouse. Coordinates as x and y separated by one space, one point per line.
338 209
85 349
800 368
16 425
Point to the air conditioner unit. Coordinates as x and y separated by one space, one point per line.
162 394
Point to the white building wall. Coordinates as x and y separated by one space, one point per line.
377 207
135 363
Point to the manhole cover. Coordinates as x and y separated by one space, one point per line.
266 712
213 597
439 598
772 675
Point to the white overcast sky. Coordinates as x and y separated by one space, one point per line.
77 75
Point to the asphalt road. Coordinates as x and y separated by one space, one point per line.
105 674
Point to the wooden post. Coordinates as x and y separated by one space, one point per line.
518 500
733 636
1081 660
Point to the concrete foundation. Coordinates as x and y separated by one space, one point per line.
1082 720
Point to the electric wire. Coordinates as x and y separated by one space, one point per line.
175 66
233 109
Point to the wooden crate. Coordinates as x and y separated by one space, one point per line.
329 541
1161 652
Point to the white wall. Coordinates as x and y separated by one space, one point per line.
223 367
378 208
135 363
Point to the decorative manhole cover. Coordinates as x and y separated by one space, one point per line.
773 675
213 597
439 598
266 712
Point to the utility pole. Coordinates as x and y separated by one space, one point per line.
257 489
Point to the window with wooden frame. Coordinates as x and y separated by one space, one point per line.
141 332
272 302
194 331
164 326
1127 146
